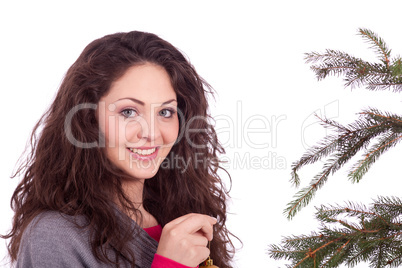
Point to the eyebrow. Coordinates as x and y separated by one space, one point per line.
142 103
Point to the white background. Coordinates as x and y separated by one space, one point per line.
251 52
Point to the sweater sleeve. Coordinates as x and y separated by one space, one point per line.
163 262
50 241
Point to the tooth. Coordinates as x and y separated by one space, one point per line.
142 151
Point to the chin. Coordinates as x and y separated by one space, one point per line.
140 169
143 173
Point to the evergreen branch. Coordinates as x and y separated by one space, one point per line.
389 237
359 256
346 152
396 68
370 74
388 140
376 114
375 233
312 253
358 72
323 214
363 165
343 147
390 262
330 56
325 147
344 223
329 214
387 85
329 144
303 197
315 154
333 247
334 68
391 206
338 251
378 43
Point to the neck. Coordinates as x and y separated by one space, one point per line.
134 191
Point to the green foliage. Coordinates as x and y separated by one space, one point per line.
381 130
340 147
376 76
349 234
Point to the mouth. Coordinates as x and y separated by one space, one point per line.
144 153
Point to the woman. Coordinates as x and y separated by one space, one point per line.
124 171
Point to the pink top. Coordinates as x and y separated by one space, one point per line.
159 261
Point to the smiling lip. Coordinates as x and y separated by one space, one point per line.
144 153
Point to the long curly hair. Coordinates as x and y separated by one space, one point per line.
69 164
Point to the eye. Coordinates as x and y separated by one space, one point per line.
167 113
129 113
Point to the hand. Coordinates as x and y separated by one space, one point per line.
185 239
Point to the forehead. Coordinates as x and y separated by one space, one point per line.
148 82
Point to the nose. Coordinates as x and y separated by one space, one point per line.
149 130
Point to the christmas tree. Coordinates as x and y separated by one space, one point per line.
350 233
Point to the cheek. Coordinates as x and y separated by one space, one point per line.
128 131
120 131
176 130
171 133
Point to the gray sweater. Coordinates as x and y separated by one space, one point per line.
52 240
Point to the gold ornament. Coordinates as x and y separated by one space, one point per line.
209 262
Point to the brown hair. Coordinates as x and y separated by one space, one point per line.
77 177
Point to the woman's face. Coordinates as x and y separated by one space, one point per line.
138 117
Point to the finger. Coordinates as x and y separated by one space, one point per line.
199 223
199 240
191 215
203 253
180 219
